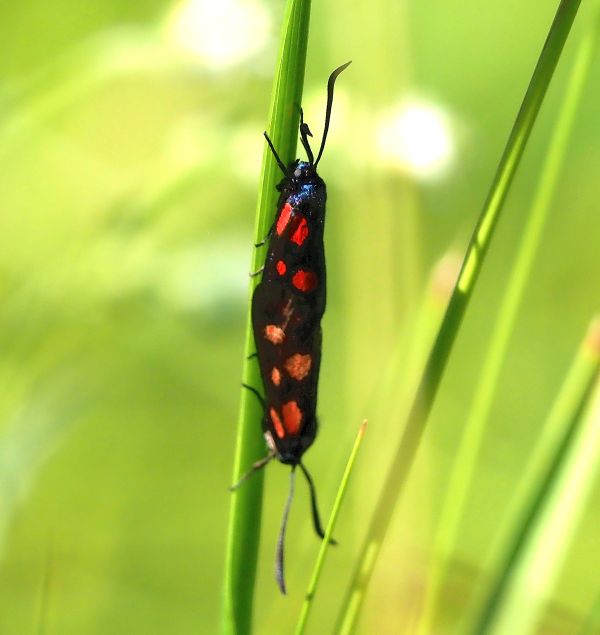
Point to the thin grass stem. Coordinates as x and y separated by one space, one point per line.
436 363
541 535
325 543
466 458
246 502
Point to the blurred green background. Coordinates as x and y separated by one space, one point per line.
130 146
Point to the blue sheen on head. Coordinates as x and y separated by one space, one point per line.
303 171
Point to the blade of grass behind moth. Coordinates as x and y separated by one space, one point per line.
244 519
465 461
438 357
540 538
312 586
409 353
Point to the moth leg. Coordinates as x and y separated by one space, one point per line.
257 272
279 161
257 465
266 238
255 392
252 355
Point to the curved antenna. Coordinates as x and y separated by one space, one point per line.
313 502
279 161
304 134
330 85
279 570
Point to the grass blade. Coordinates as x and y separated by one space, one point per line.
312 586
244 519
442 346
410 351
472 434
541 536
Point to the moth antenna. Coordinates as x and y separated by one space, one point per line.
279 161
330 85
304 134
314 506
279 563
258 465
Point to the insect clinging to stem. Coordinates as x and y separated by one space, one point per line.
287 307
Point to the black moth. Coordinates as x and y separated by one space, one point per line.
287 307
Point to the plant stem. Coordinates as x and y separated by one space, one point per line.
541 535
312 586
466 459
436 363
245 509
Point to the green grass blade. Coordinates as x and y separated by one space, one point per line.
325 543
541 537
472 435
244 519
409 354
446 336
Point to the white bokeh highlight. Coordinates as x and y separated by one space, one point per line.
416 138
219 33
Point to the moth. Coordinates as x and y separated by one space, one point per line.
287 307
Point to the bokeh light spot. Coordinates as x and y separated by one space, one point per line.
220 34
416 137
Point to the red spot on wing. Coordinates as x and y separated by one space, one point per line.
275 334
305 280
281 267
276 376
284 219
298 366
279 431
292 417
300 232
